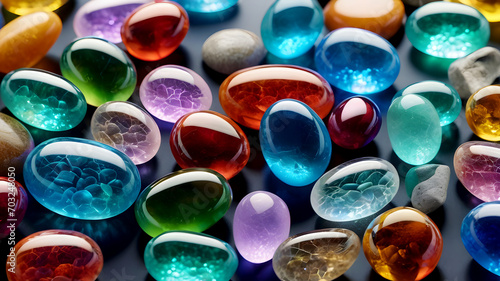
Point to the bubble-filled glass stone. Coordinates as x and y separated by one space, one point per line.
489 8
290 28
13 204
482 112
55 255
261 223
23 7
208 139
206 6
171 91
155 30
354 123
43 99
190 199
414 129
81 178
15 144
403 244
186 256
323 254
355 189
295 142
357 61
246 94
447 30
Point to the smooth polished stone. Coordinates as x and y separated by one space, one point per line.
206 6
189 199
23 7
15 144
427 186
81 178
56 255
171 91
155 30
233 49
295 142
482 112
476 165
128 128
383 17
323 254
13 204
357 61
100 69
489 8
414 129
261 223
290 28
208 139
43 99
355 189
354 123
403 244
447 30
186 256
27 39
247 94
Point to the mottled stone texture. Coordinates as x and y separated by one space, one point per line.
427 186
15 144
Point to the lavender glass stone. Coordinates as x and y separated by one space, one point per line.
171 91
261 224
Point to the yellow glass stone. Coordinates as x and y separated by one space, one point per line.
489 8
23 7
483 113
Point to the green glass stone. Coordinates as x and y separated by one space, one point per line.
43 99
187 256
447 30
101 70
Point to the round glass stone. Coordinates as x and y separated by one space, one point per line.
13 203
206 6
482 112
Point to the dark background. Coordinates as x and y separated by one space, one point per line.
123 242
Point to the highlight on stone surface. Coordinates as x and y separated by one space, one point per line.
323 254
482 113
15 144
206 6
489 8
23 7
13 204
427 186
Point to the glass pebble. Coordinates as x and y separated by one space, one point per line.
23 7
13 204
482 112
489 8
15 144
206 6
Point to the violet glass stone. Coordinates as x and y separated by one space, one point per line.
261 223
171 91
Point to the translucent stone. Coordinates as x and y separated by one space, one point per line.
13 204
23 7
357 61
482 112
489 8
447 30
15 144
355 189
323 254
206 6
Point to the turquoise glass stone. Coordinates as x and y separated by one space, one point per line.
355 189
443 97
290 28
188 256
206 6
357 61
447 30
43 99
81 178
414 129
295 142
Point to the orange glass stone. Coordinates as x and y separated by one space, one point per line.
27 39
482 112
23 7
383 17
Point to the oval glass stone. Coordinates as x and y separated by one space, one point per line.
246 94
15 144
414 129
295 142
482 112
261 223
56 255
43 99
357 61
355 189
206 6
81 179
185 256
13 204
190 199
316 255
447 30
23 7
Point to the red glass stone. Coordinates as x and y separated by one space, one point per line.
207 139
13 204
155 30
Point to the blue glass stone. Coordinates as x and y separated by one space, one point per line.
295 142
290 28
357 61
206 6
81 179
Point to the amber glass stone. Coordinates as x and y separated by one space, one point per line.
483 113
489 8
23 7
15 144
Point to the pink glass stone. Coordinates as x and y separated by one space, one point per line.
171 91
261 223
13 204
477 165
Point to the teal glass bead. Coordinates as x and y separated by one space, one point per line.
188 256
206 6
43 99
447 30
290 28
414 129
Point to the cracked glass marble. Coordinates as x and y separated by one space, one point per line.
482 113
13 203
15 144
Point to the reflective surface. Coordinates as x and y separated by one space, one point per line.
489 8
23 7
206 6
483 114
13 204
15 144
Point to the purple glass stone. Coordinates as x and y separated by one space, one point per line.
170 91
261 223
